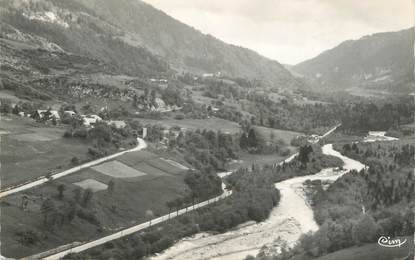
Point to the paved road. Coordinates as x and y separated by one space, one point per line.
131 230
141 145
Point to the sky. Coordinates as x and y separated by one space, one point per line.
290 31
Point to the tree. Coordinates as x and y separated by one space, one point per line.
303 155
77 194
252 139
16 110
86 199
149 215
243 141
75 160
178 203
110 187
5 108
61 188
170 204
47 209
46 115
70 211
365 230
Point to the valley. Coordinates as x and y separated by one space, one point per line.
127 134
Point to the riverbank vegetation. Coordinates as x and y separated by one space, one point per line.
361 206
253 198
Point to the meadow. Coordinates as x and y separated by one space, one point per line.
31 150
126 205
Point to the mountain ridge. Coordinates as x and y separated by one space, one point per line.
135 38
382 60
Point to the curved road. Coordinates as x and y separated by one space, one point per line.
131 230
286 223
128 231
141 145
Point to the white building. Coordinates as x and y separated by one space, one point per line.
90 120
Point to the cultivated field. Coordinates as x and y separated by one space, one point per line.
274 135
125 206
91 184
117 169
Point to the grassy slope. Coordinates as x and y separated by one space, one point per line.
24 159
125 207
284 135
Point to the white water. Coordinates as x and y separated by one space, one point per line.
287 222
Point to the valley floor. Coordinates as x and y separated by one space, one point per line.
285 224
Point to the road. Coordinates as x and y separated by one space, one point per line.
291 218
131 230
141 145
134 229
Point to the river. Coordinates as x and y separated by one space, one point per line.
286 223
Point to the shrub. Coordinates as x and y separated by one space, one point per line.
27 237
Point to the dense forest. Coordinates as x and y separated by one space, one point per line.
361 118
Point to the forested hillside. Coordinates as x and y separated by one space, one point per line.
383 61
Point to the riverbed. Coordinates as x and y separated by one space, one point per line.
286 223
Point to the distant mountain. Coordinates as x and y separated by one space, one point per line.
185 47
383 61
132 37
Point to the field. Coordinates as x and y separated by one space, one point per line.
274 135
246 160
124 207
116 169
91 184
30 150
215 124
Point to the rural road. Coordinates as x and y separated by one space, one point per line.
141 145
291 218
128 231
131 230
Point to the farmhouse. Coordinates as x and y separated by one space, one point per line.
90 120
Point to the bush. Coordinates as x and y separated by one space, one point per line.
179 117
366 230
27 237
89 217
162 244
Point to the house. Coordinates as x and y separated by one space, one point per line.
39 114
69 113
90 120
117 124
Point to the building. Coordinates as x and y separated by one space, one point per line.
90 120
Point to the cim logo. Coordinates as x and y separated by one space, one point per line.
388 242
